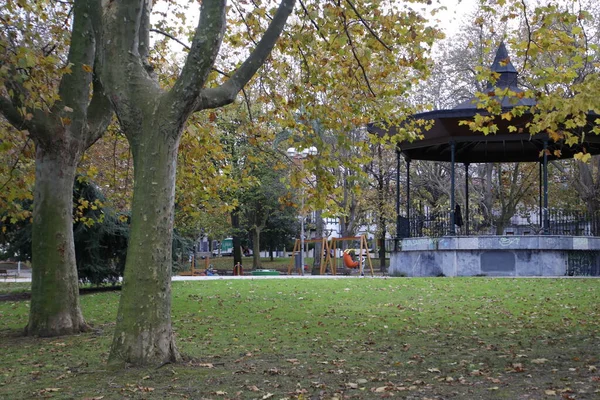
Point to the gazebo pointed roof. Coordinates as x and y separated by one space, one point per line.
504 67
512 143
507 80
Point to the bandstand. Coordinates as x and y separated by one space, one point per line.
556 245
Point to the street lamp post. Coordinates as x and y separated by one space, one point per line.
300 156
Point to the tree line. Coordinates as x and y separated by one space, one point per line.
100 88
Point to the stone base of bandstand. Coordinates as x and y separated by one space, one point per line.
528 255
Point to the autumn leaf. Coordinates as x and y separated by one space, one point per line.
87 68
539 361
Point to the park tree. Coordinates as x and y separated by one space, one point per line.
261 202
152 119
48 90
381 195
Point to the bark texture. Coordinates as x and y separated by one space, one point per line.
152 120
55 306
143 334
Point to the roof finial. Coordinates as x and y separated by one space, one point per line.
506 70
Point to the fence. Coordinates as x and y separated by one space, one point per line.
559 222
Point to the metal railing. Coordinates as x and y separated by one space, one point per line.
559 222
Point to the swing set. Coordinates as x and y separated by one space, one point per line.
329 256
324 251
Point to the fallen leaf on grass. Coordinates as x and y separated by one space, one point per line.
550 392
274 371
293 361
434 370
253 388
220 393
351 385
93 398
267 396
518 367
539 361
206 365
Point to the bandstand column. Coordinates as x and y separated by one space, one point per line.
467 199
545 210
452 178
540 190
397 199
408 195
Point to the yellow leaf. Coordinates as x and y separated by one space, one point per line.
583 157
87 68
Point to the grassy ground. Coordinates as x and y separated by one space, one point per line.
438 338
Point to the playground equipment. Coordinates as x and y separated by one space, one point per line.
363 254
194 271
348 261
325 256
329 254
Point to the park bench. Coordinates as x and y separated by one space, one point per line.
5 274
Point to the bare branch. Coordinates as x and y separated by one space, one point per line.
185 46
528 33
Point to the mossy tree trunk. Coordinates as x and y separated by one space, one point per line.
55 306
143 333
61 133
152 120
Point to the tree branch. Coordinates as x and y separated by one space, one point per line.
362 20
245 23
226 93
14 166
203 52
185 46
11 113
364 72
100 114
312 21
74 88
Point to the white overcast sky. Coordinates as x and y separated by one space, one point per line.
455 15
450 20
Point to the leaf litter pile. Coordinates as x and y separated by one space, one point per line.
438 338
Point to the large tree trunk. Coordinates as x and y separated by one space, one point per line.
55 306
143 334
153 120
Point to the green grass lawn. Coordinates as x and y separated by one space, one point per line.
437 338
